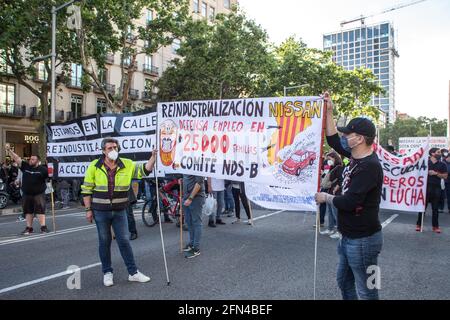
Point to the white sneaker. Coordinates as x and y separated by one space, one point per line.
335 235
326 232
108 279
236 221
138 277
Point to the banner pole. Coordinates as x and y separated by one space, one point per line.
181 215
158 211
319 171
53 207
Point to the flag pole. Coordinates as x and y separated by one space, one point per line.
181 214
322 140
53 206
158 211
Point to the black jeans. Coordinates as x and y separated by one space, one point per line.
131 221
447 190
433 196
323 209
240 193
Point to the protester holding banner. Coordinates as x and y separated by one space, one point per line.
358 206
193 201
436 171
33 188
105 190
444 153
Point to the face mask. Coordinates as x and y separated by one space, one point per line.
344 143
445 154
113 155
330 163
437 157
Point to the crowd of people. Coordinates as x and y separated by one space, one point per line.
350 197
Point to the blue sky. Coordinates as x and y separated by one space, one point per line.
423 41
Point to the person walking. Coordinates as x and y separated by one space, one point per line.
437 170
358 206
447 181
193 201
34 177
240 196
105 191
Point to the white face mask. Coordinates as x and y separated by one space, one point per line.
330 163
113 155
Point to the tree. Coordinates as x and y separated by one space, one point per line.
412 127
315 71
109 27
227 59
25 35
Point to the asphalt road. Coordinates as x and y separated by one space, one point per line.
272 260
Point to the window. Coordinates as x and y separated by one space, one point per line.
42 72
76 103
101 105
369 33
345 36
175 45
363 34
148 61
226 4
196 6
384 30
327 41
7 97
384 46
376 31
384 64
333 39
357 35
351 51
149 15
384 70
384 58
339 38
385 39
126 61
204 9
384 77
352 36
76 73
212 13
102 75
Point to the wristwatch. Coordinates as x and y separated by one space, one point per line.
191 198
88 209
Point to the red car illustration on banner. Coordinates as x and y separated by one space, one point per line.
298 161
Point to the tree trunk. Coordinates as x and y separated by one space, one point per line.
42 125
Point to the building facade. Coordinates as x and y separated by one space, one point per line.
372 47
19 114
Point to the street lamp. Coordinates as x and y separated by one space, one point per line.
293 87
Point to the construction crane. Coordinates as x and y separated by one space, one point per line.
362 18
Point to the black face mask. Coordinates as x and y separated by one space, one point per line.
437 157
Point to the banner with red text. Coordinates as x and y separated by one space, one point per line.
272 141
405 179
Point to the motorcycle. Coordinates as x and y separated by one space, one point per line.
14 192
4 196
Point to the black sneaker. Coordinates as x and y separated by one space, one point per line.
44 229
27 231
211 224
133 236
192 253
220 221
187 248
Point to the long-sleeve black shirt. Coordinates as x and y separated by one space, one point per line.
359 204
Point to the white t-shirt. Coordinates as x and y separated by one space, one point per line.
217 184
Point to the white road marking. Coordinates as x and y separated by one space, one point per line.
384 224
268 215
53 276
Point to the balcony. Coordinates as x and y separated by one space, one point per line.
109 88
59 116
109 59
35 114
151 70
13 110
133 94
148 96
73 83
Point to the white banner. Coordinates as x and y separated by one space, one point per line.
280 198
405 179
272 141
407 144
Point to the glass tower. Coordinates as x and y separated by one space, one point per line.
372 47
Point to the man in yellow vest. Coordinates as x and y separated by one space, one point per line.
105 191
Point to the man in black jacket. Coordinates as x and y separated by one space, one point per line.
358 206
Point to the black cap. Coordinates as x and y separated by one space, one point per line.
362 126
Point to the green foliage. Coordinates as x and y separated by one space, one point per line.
412 127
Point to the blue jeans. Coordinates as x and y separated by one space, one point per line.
118 220
332 216
229 200
355 256
193 219
220 198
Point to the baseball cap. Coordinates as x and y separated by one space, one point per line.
362 126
